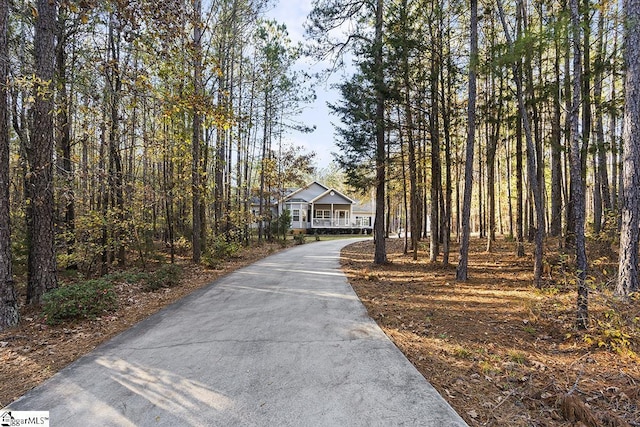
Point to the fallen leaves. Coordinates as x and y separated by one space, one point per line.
499 350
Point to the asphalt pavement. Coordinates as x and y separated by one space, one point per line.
283 342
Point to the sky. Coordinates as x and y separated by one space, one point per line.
293 14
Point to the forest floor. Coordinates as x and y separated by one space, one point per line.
499 350
33 351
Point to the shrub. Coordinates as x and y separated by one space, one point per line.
82 300
299 239
168 276
182 245
221 248
218 249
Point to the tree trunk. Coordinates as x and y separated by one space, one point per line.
556 155
9 314
380 255
491 169
628 261
601 170
116 180
519 167
461 271
436 174
577 191
405 199
196 166
613 119
263 168
42 255
447 95
413 179
532 171
64 165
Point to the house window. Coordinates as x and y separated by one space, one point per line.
363 221
326 214
296 215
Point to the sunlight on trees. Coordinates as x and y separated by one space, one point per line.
128 127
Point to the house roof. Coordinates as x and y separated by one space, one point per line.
368 207
315 192
300 192
331 192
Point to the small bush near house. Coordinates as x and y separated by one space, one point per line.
88 299
299 239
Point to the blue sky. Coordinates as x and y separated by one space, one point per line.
293 14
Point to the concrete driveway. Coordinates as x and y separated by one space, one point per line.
283 342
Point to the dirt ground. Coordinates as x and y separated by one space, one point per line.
500 351
34 351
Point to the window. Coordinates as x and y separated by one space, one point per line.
296 215
326 214
363 221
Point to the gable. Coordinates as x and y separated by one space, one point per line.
332 197
307 193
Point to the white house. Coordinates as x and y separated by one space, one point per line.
316 207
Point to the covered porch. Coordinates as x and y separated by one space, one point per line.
331 216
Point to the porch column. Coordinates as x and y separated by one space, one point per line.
333 224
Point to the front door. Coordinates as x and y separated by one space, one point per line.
343 218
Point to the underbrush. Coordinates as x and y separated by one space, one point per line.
614 323
89 299
83 300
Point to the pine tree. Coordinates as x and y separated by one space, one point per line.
628 261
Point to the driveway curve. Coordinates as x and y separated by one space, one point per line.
283 342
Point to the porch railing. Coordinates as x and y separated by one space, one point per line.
339 222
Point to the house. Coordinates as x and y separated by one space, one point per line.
318 208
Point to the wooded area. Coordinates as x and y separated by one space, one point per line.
126 125
130 126
533 104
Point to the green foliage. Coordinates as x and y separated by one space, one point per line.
356 139
222 249
462 353
182 245
614 333
299 239
167 276
88 247
85 300
517 357
282 224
